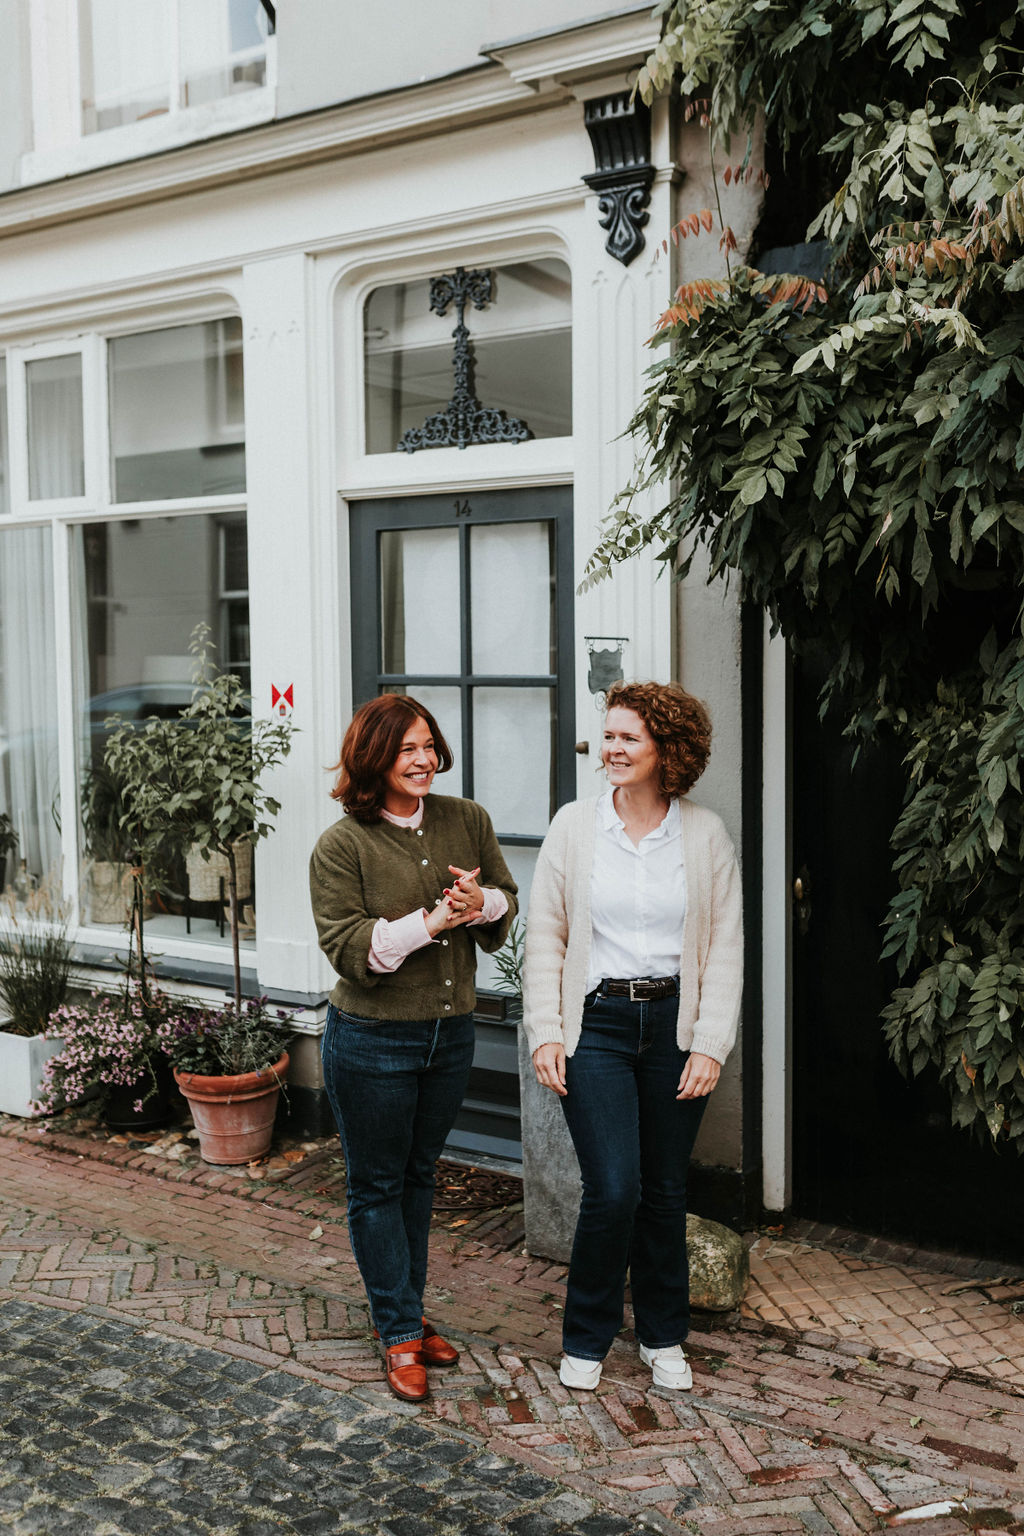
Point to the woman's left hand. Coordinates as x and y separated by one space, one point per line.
465 898
700 1075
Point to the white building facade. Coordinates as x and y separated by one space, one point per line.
235 246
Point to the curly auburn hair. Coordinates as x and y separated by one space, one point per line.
370 748
679 724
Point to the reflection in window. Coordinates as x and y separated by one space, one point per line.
141 587
521 343
5 490
29 772
145 58
56 452
177 419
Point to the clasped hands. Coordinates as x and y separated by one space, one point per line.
460 903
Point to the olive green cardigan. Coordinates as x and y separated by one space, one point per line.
360 872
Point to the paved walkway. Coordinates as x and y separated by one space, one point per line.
789 1428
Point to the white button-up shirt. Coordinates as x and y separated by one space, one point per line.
637 898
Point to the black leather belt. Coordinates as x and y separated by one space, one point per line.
645 990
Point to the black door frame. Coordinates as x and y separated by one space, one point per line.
368 519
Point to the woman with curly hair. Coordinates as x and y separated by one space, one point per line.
405 888
633 974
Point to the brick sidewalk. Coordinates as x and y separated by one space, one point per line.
784 1431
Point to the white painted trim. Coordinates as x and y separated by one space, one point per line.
477 96
595 50
776 931
67 713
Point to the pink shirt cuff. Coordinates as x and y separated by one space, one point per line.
390 943
495 906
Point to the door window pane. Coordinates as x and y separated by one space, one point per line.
521 344
5 491
56 455
177 419
141 587
513 754
420 602
29 772
512 586
125 61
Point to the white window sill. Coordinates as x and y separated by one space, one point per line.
134 141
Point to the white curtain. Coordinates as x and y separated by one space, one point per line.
56 453
30 777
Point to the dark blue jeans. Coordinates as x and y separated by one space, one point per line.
633 1138
395 1089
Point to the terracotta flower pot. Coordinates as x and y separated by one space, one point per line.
234 1115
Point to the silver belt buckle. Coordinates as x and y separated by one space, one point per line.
632 996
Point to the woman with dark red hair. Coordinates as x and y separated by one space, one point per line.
634 969
404 890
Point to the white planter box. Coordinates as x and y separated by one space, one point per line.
22 1058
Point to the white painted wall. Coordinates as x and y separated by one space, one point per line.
336 50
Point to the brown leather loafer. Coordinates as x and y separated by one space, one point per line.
406 1371
437 1351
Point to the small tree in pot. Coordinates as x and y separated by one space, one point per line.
196 778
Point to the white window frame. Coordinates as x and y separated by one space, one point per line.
60 146
538 461
64 516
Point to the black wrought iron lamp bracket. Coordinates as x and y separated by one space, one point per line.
620 134
464 420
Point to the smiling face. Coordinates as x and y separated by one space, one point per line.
411 774
628 750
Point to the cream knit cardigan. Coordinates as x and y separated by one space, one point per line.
558 933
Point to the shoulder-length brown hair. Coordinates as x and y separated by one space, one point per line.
372 743
679 724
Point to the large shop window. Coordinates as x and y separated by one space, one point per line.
140 59
177 427
517 358
137 577
29 761
141 587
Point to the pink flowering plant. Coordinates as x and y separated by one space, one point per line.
111 1042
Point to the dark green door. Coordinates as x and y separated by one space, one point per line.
466 602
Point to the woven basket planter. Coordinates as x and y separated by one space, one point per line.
205 875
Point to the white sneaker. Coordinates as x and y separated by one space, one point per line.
584 1374
670 1366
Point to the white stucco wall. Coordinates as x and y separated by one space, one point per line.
336 50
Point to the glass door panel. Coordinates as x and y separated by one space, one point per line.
419 601
513 598
513 742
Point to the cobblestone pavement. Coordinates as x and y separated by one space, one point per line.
107 1430
784 1431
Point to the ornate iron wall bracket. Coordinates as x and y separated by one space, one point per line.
620 133
464 420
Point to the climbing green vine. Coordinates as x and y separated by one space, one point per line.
853 451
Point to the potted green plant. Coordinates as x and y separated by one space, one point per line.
105 846
114 1049
35 974
195 781
231 1063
